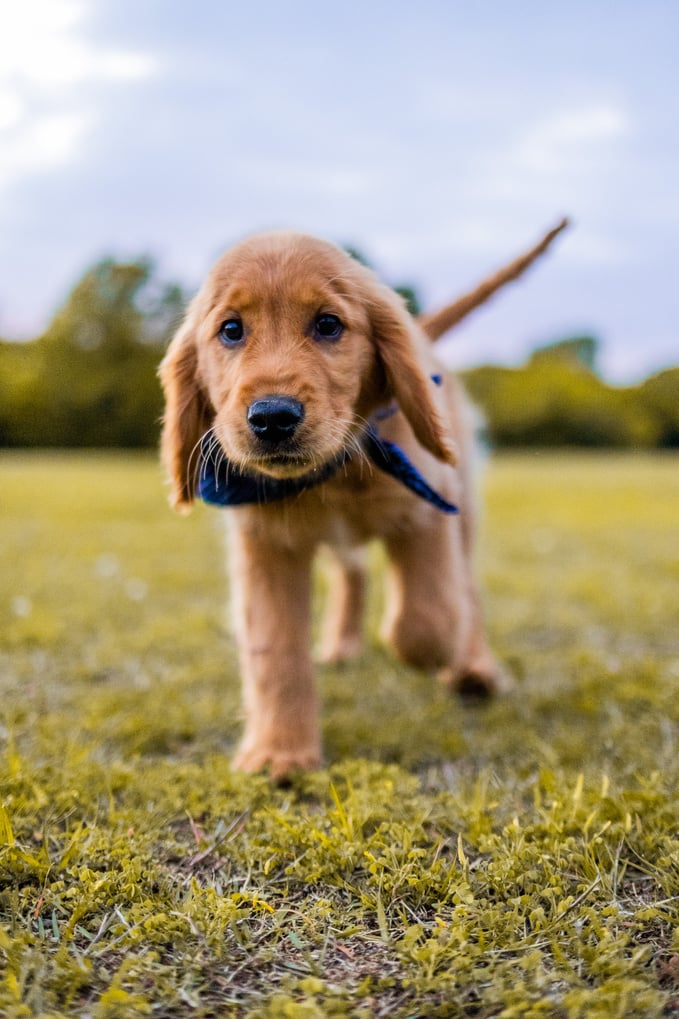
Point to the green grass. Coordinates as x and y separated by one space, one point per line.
512 859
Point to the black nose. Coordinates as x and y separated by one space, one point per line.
275 418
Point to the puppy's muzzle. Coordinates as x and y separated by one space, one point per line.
274 420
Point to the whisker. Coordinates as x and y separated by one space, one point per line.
195 463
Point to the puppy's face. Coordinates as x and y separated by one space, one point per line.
283 353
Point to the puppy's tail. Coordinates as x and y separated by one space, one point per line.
439 322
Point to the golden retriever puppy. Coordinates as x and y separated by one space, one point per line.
303 396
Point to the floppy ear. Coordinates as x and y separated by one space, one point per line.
394 334
187 416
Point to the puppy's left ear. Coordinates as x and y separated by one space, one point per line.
395 336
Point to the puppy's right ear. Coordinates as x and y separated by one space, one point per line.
187 415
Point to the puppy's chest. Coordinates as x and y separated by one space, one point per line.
350 509
362 508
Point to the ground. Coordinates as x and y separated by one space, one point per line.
518 858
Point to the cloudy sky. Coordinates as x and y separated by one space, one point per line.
439 137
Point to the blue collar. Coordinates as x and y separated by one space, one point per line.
221 483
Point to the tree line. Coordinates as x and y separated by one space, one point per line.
558 399
90 380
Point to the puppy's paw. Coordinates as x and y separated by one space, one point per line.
484 678
281 763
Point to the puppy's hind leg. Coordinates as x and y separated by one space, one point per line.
342 632
476 672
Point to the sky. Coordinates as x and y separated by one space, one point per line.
439 138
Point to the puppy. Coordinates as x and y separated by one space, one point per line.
302 395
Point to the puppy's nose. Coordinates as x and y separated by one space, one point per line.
275 418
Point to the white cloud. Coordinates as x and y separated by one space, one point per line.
40 46
45 66
47 142
568 163
11 110
571 158
562 143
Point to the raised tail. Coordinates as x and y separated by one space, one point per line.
439 322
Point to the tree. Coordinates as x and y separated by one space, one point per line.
557 400
90 380
660 396
577 350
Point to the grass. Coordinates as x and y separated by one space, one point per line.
514 859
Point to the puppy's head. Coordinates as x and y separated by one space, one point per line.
286 350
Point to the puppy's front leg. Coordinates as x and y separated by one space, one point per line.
271 588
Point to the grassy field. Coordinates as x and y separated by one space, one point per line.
512 859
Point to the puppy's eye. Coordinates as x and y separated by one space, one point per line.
231 332
328 327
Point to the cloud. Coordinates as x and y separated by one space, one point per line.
48 141
41 47
11 110
574 153
564 142
572 162
46 66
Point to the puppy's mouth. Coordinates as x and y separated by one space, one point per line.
282 464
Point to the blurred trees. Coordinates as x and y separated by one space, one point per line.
557 399
660 395
90 380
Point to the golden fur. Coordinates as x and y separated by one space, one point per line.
277 285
